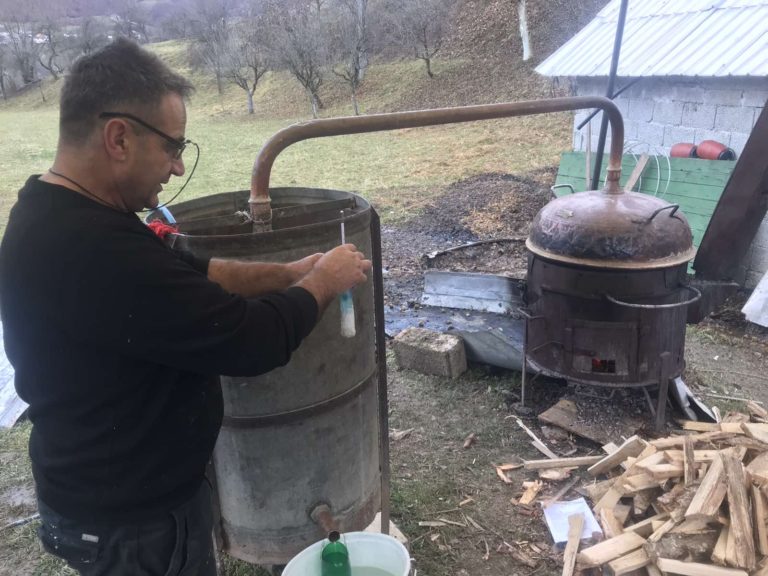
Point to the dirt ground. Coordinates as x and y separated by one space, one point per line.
447 435
461 518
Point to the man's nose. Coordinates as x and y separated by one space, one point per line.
177 166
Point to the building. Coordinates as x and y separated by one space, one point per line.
696 70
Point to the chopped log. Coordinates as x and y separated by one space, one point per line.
610 549
561 462
696 568
730 427
757 432
653 570
758 508
689 462
609 500
632 561
756 410
608 522
644 528
737 417
678 441
531 490
762 569
639 482
758 464
575 527
677 500
622 512
642 500
665 471
596 490
694 527
632 447
719 552
655 458
738 504
659 532
699 456
707 501
690 547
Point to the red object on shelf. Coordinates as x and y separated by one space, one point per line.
713 150
684 150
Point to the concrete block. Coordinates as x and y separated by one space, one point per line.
720 96
699 115
430 352
650 133
688 92
630 129
755 98
716 135
734 118
738 141
670 113
640 110
675 134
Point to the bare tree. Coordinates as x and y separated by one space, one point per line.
299 42
211 25
351 45
4 57
130 20
419 25
91 36
51 53
23 48
246 60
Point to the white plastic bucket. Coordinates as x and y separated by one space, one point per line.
366 550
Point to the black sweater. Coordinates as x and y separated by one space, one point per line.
116 341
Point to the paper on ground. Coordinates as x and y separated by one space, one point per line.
556 516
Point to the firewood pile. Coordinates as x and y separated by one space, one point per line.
691 504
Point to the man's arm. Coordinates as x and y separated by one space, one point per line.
251 279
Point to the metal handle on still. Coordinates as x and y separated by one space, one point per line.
696 297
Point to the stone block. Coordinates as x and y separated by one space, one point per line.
430 352
734 118
699 115
688 92
670 113
650 133
676 134
640 110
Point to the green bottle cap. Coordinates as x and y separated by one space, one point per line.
335 557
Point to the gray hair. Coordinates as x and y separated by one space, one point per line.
118 77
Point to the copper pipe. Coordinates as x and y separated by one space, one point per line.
260 202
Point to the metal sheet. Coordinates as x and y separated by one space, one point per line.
471 291
671 38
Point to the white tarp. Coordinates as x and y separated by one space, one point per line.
756 308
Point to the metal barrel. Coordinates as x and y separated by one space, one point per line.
306 433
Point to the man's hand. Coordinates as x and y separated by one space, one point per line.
300 268
335 272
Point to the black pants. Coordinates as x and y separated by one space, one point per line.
179 544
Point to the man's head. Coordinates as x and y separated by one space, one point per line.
125 109
121 76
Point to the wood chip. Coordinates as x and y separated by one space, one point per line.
469 440
531 490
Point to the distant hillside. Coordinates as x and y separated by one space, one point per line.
481 62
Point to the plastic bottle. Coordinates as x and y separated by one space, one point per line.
335 557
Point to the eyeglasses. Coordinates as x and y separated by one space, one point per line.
178 144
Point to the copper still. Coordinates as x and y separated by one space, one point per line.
607 293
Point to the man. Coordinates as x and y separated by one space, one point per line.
117 339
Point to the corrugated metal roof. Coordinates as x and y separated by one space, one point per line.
670 38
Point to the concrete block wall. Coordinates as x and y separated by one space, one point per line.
660 112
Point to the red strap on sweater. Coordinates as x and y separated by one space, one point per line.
162 229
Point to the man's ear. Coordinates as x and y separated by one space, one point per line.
116 136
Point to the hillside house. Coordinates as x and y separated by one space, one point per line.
699 71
